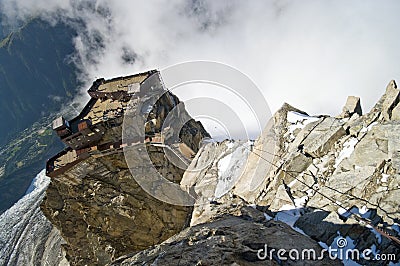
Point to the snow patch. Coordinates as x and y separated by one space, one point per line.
342 250
267 217
301 202
396 228
384 178
298 120
223 164
364 212
291 184
231 167
368 128
230 144
348 148
289 214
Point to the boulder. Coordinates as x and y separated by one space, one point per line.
321 138
352 106
391 100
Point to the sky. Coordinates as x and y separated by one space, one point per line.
311 54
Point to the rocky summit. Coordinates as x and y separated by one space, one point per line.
317 183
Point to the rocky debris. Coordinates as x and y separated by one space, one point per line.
352 106
230 240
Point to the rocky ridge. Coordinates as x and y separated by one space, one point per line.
327 177
304 183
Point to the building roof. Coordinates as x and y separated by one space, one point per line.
102 109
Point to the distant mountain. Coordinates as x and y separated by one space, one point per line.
36 79
35 75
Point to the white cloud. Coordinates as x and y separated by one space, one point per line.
312 54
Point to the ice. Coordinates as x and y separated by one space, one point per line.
23 225
230 167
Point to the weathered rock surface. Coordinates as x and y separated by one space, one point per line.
337 177
230 240
98 205
352 106
103 213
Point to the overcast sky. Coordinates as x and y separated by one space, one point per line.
311 54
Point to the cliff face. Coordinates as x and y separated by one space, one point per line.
103 213
98 206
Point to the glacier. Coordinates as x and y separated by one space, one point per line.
26 236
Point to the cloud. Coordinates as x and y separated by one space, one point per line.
312 54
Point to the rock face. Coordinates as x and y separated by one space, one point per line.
98 206
104 213
230 240
308 182
353 106
337 177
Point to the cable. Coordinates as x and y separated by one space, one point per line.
328 187
356 215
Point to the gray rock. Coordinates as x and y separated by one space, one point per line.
352 106
396 113
391 100
229 240
322 137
